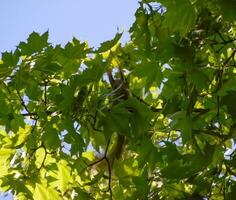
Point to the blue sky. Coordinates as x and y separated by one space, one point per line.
88 20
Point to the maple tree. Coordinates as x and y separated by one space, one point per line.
60 118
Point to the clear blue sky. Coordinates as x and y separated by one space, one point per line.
89 20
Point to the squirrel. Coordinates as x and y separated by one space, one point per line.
119 85
121 90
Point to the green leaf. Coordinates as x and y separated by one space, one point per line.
199 79
105 46
66 99
232 192
5 157
140 116
35 43
183 123
49 68
117 119
94 73
33 90
228 8
151 71
64 176
21 136
141 186
147 153
8 63
4 72
76 141
170 152
43 193
50 138
76 49
180 16
184 168
229 101
54 139
17 122
83 195
9 59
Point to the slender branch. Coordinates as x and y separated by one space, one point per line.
144 102
108 166
229 58
230 171
196 110
232 153
218 110
106 150
221 71
34 126
34 150
45 92
36 114
99 160
92 122
23 103
96 162
44 158
109 177
109 169
212 133
29 114
214 42
221 36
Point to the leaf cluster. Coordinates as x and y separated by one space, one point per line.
59 123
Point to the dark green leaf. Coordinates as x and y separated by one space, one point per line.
105 46
35 43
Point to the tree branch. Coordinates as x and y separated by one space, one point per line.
108 166
109 177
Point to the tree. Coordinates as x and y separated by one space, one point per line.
61 119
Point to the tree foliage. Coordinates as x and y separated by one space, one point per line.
59 122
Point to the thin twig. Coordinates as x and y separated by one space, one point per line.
29 114
109 177
34 150
22 102
221 36
96 162
145 103
214 42
108 166
221 70
99 160
230 171
45 93
44 158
